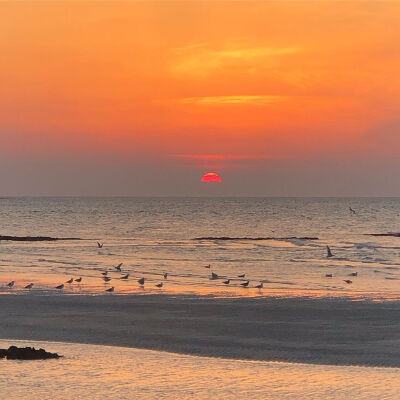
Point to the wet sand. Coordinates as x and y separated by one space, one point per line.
318 331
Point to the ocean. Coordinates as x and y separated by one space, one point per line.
280 242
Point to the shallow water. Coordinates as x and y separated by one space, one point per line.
155 235
98 372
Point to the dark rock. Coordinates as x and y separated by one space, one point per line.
26 353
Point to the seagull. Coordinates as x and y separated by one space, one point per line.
328 276
141 281
260 286
166 275
125 276
348 281
106 278
111 289
352 211
105 273
227 282
10 284
245 284
214 276
70 280
159 285
118 267
207 266
99 245
328 251
29 286
79 280
60 286
353 274
241 276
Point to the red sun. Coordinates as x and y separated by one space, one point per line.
211 177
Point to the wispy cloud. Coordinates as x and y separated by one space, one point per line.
225 100
221 157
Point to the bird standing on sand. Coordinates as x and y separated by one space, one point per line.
207 266
29 286
260 286
328 276
348 281
111 289
125 276
141 281
106 278
353 274
99 245
10 284
118 267
166 275
241 276
328 252
227 282
60 286
105 273
352 211
79 280
159 285
245 284
70 280
214 276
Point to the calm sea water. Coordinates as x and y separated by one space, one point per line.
151 236
99 372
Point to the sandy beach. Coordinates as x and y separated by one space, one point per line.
337 332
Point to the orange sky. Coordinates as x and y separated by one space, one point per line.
198 85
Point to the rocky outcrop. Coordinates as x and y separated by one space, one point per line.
26 353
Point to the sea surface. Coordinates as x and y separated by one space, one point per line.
280 242
99 372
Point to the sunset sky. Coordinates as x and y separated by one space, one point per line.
144 98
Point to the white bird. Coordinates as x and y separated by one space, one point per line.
125 276
60 286
70 280
29 286
111 289
106 278
79 280
99 245
10 284
328 252
118 267
159 285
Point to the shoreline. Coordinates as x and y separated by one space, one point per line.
311 331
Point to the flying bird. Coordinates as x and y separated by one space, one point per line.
106 278
260 286
348 281
328 252
99 245
141 281
159 285
79 280
245 284
166 275
29 286
125 276
118 267
60 286
227 282
111 289
241 276
70 280
10 284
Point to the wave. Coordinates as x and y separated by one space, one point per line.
255 238
33 238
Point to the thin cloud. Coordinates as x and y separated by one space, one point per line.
221 100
